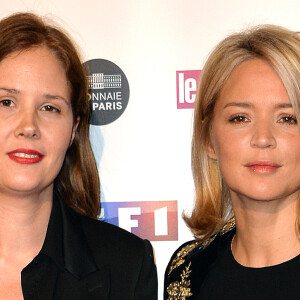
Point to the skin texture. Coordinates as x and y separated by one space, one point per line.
35 113
250 126
256 141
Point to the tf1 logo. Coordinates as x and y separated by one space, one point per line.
186 82
152 220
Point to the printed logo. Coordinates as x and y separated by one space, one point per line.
108 91
186 83
152 220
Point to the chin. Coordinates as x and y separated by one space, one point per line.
263 196
21 185
259 193
24 190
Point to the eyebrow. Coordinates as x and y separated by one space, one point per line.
250 105
56 97
238 104
11 91
47 96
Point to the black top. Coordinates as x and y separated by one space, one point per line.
207 270
39 277
228 279
86 259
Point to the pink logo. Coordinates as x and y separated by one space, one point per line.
186 82
152 220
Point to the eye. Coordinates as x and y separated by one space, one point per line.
288 119
7 103
239 119
50 108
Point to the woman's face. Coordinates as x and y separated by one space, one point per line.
255 137
36 122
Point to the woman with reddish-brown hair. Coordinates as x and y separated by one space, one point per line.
246 168
51 244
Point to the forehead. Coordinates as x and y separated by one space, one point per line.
34 68
35 56
253 81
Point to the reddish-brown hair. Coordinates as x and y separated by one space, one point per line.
78 181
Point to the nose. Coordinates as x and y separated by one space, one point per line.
263 136
27 125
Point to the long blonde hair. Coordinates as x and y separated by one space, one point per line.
278 46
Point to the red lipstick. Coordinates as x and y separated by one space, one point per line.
25 156
263 167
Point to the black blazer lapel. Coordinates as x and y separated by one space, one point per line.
94 286
92 282
98 284
78 258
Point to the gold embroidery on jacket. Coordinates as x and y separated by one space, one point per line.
228 226
180 290
181 254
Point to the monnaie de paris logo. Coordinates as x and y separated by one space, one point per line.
108 91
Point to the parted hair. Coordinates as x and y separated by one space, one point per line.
78 180
279 47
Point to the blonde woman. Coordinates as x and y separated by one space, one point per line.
246 168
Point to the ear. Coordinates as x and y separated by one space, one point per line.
74 130
211 151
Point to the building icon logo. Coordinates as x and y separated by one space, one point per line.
99 81
108 91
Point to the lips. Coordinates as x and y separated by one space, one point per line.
25 156
263 166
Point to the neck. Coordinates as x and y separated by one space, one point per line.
265 231
23 225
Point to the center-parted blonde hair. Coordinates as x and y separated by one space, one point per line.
279 47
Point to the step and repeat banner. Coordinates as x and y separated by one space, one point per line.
143 61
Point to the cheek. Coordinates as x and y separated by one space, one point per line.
58 139
229 152
226 145
291 150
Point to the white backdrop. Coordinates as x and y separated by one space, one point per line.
145 154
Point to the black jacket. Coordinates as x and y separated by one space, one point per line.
191 262
88 259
